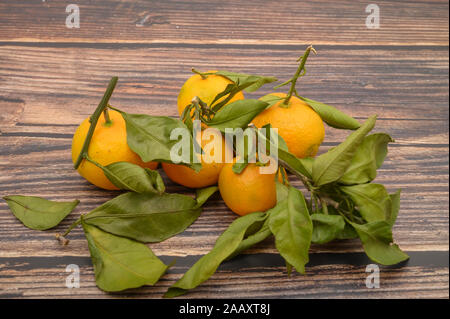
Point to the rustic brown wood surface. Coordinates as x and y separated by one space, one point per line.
52 77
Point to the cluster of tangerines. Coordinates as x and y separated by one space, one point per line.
249 191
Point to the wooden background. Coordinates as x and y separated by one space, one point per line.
52 77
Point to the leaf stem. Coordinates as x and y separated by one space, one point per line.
87 158
298 73
71 227
203 75
324 205
62 238
107 118
94 119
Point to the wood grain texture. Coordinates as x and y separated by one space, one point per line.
245 22
51 78
249 276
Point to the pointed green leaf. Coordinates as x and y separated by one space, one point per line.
326 227
377 241
282 191
395 207
252 82
39 213
348 232
225 245
253 239
329 167
203 194
132 177
372 200
149 136
263 231
239 167
121 263
332 116
271 99
292 228
237 114
368 157
148 218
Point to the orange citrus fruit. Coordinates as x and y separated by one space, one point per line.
247 192
298 124
204 88
209 173
108 145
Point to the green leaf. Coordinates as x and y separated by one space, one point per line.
395 207
149 136
260 231
239 167
241 82
38 213
368 157
372 200
326 227
272 136
132 177
308 163
251 82
332 116
225 245
292 227
121 263
186 117
203 194
331 166
282 191
237 114
377 241
293 163
254 235
148 218
271 99
348 233
249 149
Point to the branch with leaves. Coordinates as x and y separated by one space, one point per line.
339 199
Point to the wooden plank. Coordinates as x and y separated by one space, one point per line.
52 77
417 162
423 220
255 276
400 83
214 21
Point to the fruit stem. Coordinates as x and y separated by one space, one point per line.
94 119
107 118
298 73
203 75
203 107
62 238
